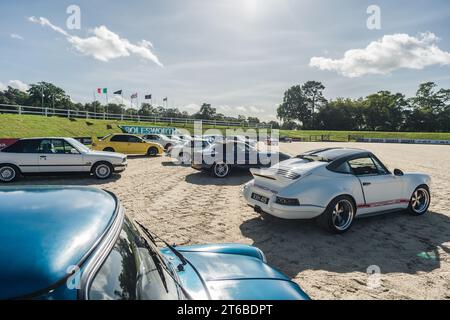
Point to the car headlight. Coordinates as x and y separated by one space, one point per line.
287 202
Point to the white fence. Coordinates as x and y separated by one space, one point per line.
81 114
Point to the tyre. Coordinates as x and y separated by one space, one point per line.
221 170
109 149
420 201
339 215
103 170
8 173
152 152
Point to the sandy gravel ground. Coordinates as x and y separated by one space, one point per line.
189 207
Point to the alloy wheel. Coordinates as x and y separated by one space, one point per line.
343 214
221 170
7 174
420 200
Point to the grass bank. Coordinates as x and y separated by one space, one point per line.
23 126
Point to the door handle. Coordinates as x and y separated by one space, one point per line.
43 157
366 184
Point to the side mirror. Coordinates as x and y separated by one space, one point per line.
398 172
73 151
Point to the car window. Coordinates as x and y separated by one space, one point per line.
381 169
23 146
61 147
133 139
130 272
363 166
343 168
119 138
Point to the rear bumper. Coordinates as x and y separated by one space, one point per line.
301 212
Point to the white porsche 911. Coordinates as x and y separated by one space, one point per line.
336 185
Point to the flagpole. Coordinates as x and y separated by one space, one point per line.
95 104
107 105
123 106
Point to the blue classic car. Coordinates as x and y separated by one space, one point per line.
66 243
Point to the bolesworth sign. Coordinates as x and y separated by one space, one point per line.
148 130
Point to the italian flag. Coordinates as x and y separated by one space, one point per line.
100 90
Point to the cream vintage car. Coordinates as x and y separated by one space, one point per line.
57 155
336 185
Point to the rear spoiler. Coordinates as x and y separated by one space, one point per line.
272 173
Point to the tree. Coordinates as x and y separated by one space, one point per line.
429 109
253 120
340 114
289 125
294 106
313 91
384 111
49 95
206 112
274 124
13 96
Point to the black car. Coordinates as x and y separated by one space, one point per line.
219 159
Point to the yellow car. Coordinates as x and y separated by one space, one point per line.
128 144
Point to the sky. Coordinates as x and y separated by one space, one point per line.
238 55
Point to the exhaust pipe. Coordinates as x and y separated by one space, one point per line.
258 209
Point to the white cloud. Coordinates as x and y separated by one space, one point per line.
103 44
191 108
390 53
16 36
16 84
46 23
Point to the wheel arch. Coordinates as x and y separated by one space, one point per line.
100 162
11 165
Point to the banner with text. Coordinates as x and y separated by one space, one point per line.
148 130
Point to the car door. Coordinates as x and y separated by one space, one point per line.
119 143
136 145
57 155
382 190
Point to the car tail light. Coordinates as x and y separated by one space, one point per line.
287 202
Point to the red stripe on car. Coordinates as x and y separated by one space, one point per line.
382 203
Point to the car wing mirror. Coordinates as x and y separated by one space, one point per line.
73 151
398 172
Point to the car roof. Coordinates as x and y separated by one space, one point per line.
45 230
40 138
332 154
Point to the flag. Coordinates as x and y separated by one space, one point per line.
165 99
118 92
134 96
148 97
102 90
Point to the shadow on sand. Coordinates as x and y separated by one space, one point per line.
236 178
64 180
397 243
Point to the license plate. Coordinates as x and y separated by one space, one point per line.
260 198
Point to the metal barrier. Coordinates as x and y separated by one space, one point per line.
81 114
